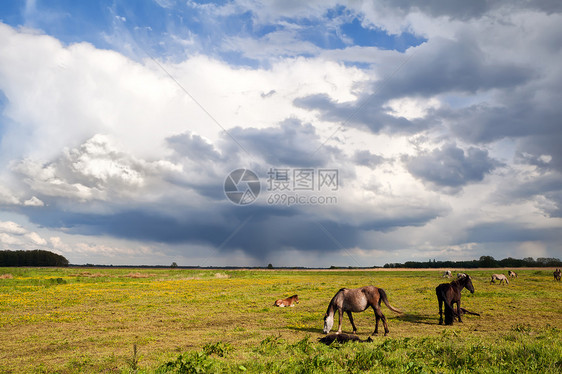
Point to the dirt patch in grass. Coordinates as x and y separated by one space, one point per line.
140 275
87 274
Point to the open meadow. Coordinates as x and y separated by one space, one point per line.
76 320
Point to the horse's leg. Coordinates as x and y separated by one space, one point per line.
376 322
449 313
378 313
459 310
351 320
440 310
340 312
379 316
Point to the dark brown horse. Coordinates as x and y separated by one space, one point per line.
357 300
290 301
342 338
557 274
449 294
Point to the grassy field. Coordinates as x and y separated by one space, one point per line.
76 320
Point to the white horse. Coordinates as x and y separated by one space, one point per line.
512 274
499 277
461 275
447 274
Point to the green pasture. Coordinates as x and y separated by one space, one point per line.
92 320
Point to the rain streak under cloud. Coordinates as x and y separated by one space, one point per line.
380 132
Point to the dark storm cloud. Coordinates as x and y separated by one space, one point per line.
445 65
549 145
442 66
509 232
450 166
366 158
466 10
545 190
257 230
367 112
193 147
484 123
292 143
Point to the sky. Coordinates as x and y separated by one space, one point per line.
293 133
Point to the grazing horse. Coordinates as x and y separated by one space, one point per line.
557 275
342 338
357 300
512 274
447 274
499 277
290 301
449 294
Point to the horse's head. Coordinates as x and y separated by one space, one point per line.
296 299
468 283
328 323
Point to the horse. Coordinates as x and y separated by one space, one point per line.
461 275
499 277
512 274
557 275
342 338
447 274
449 294
357 300
290 301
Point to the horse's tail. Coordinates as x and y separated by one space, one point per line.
384 298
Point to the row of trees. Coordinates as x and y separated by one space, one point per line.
482 262
31 258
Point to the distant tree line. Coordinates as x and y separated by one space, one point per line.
31 258
482 262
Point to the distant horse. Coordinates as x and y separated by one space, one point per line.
357 300
461 275
290 301
557 275
449 294
512 274
342 338
447 274
499 277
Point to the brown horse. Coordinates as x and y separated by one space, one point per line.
290 301
449 294
557 275
357 300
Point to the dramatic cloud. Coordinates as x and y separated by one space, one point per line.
380 131
452 167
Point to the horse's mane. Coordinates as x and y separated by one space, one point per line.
462 281
333 301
